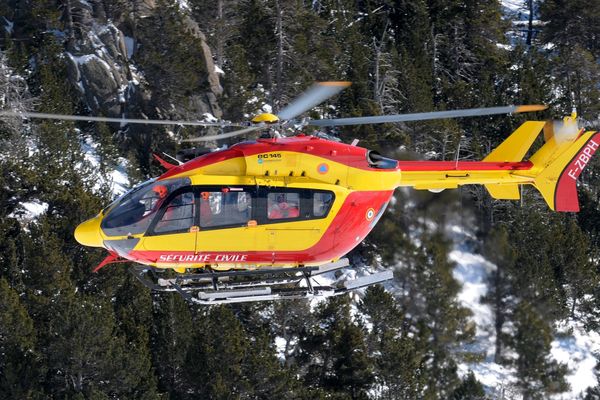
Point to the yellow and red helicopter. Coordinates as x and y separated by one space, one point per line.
260 219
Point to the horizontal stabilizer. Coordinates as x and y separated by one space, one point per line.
504 192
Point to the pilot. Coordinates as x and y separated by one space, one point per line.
179 214
158 195
161 191
282 209
206 211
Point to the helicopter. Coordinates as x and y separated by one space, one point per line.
260 220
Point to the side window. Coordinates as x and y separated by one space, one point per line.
225 208
321 203
178 216
283 205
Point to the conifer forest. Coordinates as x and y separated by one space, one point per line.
491 299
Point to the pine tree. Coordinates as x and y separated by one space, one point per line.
334 353
568 26
399 358
443 322
11 252
20 371
170 56
537 373
289 321
257 40
133 320
534 241
574 270
266 377
83 353
469 389
499 251
575 50
214 363
172 337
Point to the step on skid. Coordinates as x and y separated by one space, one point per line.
259 284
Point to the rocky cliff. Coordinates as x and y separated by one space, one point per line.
102 45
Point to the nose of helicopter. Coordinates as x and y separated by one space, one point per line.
88 233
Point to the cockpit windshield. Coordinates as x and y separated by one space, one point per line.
132 213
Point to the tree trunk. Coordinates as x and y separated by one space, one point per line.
220 34
68 16
378 85
530 25
279 70
498 316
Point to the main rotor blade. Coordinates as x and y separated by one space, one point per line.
107 119
382 119
316 94
224 135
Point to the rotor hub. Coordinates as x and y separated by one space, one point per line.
267 118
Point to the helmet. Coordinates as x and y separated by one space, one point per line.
161 190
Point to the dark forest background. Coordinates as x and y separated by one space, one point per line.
66 333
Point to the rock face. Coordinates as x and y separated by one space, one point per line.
213 77
99 69
102 63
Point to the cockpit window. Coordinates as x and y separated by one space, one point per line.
133 213
179 215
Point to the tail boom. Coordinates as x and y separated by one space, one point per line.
497 171
436 175
553 169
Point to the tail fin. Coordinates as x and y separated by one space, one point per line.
560 165
513 149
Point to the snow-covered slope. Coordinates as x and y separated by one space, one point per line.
572 345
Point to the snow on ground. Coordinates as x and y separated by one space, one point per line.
577 351
517 13
30 210
117 178
573 346
129 46
514 7
515 10
183 5
208 117
472 271
495 377
280 343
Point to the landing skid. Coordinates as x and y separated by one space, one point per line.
261 284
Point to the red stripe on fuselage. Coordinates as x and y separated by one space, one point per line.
349 227
463 165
